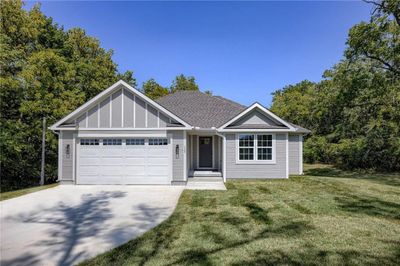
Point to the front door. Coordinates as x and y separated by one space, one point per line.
205 152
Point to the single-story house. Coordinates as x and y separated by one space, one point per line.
123 137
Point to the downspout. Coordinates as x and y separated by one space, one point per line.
223 155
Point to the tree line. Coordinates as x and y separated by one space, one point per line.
354 112
47 71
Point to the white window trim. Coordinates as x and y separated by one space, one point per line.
255 160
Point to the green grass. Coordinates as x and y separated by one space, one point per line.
21 192
326 217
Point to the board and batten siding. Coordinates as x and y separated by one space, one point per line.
177 138
122 109
277 170
66 161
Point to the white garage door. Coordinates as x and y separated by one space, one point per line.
123 161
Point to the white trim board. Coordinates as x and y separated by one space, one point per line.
109 90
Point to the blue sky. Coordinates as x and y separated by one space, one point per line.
241 50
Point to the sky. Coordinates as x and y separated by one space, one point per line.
243 51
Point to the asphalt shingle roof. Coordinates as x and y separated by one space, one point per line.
205 111
199 109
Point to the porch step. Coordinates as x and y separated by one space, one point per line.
206 173
205 183
198 179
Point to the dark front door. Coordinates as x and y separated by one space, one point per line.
205 152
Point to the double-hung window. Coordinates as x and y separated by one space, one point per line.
255 148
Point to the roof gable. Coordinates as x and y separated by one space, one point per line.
257 117
119 93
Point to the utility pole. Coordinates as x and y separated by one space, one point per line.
43 151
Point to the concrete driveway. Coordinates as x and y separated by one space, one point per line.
68 224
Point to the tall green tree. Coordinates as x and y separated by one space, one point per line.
182 82
154 90
45 72
354 112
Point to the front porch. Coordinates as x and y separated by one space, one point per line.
204 161
204 154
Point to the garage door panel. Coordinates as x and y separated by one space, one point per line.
112 170
135 161
89 170
123 164
135 152
110 161
158 170
158 161
87 152
135 170
157 152
86 161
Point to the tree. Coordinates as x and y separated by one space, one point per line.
154 90
182 82
354 112
45 72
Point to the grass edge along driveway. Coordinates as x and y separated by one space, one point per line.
324 217
20 192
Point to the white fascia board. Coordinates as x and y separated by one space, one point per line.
255 130
120 129
108 91
262 108
123 134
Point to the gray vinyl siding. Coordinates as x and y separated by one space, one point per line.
116 110
81 121
152 117
129 102
256 118
140 115
294 154
121 109
164 120
66 161
177 163
277 170
93 118
105 113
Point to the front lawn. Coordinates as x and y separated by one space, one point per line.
21 192
325 217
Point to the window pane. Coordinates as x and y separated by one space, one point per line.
134 141
264 153
112 142
158 142
246 140
246 154
89 142
264 140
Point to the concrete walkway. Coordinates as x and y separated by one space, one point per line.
68 224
